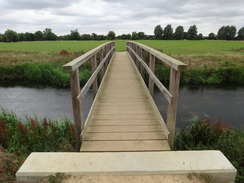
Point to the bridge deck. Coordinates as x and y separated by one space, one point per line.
123 117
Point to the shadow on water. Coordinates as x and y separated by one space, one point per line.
226 102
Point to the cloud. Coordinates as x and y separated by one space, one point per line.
101 16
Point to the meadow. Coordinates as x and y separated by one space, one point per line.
209 62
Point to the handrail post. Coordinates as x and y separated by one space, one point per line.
143 58
152 67
77 111
94 67
101 58
172 108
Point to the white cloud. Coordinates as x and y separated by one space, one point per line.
101 16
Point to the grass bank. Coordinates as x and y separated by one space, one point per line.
207 135
18 140
209 62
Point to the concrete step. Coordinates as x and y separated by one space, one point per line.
213 163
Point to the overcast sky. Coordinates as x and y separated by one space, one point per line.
120 16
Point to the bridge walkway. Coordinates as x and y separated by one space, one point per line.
123 117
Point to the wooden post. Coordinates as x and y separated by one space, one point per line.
94 67
77 111
172 108
143 58
101 58
152 67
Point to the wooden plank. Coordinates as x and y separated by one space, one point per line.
124 146
124 117
125 136
110 129
115 122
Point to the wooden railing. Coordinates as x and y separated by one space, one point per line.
137 52
101 54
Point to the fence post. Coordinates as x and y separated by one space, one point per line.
172 108
143 59
152 67
77 111
94 67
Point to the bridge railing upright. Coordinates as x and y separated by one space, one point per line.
100 58
138 52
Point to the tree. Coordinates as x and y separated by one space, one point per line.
74 35
86 37
168 32
211 36
158 32
94 36
49 35
240 35
227 33
192 32
39 36
179 33
111 35
134 36
200 37
141 35
10 36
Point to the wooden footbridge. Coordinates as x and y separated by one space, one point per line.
123 116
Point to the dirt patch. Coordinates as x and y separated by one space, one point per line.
132 179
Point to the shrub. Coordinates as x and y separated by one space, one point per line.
204 135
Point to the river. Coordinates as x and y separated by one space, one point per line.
226 102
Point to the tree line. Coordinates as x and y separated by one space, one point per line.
166 33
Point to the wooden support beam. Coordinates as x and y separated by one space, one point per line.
172 107
95 83
101 58
77 112
152 67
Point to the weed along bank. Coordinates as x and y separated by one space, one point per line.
124 133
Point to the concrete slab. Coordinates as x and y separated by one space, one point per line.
214 163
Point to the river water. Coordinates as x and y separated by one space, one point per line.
226 102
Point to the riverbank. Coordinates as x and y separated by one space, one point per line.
18 140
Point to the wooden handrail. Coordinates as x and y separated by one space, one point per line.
176 64
77 62
105 52
137 53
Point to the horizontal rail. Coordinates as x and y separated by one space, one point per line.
176 64
93 76
77 62
160 86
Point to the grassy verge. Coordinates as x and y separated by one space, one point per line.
18 140
207 135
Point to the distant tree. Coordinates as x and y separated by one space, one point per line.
29 36
74 35
111 35
200 37
227 32
101 37
86 37
179 33
240 35
21 36
211 36
10 36
94 36
158 32
124 37
1 37
141 35
230 32
39 36
168 32
192 33
134 36
49 35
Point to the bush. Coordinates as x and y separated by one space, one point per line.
204 135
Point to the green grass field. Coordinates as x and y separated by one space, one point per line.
193 53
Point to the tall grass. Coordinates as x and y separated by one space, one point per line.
207 135
18 140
